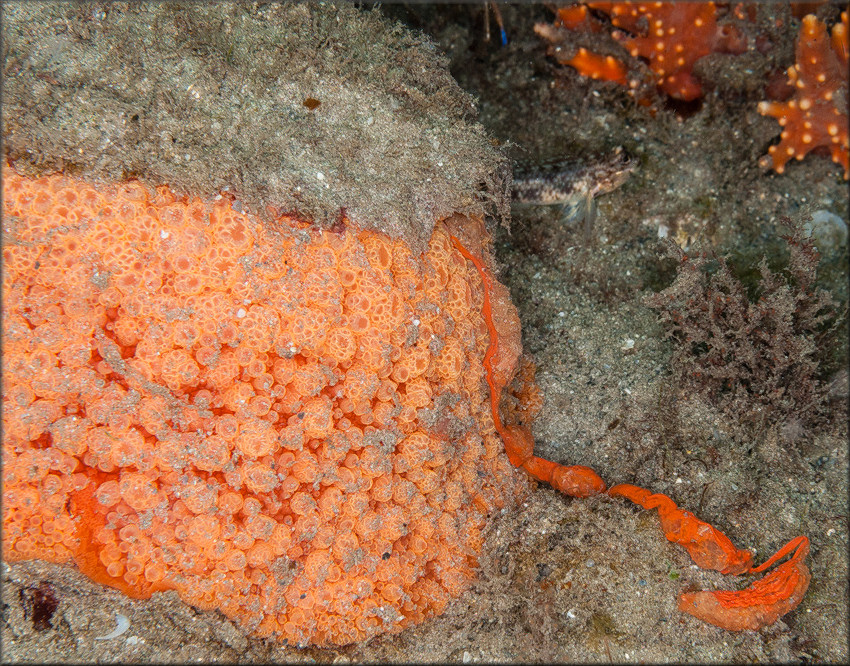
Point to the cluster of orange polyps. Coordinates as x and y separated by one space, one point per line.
297 427
288 424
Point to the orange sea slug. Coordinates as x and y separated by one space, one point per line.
287 424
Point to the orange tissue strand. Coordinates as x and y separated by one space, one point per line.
816 114
255 415
762 603
708 547
759 605
576 480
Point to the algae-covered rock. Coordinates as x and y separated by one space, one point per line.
307 107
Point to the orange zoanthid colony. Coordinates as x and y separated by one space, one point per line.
288 424
816 115
298 427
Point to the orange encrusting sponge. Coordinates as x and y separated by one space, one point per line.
287 424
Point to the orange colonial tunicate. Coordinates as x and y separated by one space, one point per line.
288 424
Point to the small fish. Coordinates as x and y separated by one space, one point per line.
573 184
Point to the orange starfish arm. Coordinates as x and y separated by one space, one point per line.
576 17
596 66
